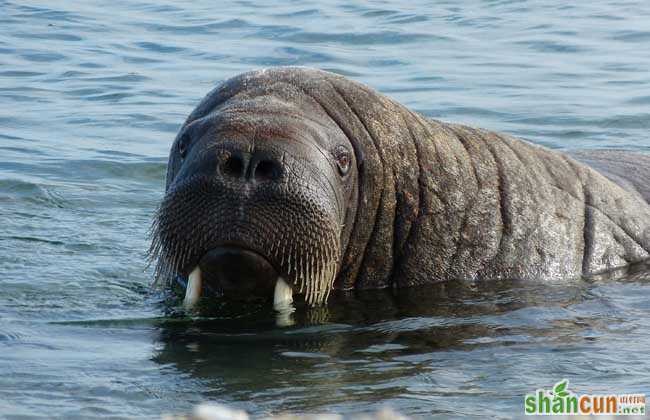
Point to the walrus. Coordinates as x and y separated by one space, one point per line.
293 181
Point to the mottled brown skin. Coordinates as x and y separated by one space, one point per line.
424 201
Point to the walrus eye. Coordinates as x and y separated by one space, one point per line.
343 160
182 145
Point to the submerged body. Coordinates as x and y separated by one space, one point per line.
326 183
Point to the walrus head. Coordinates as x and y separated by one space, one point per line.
261 188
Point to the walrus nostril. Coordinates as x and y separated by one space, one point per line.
233 166
257 168
266 170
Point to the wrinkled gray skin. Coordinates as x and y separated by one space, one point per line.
423 201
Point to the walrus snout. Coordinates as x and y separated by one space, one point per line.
238 273
258 166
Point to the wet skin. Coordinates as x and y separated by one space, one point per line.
305 176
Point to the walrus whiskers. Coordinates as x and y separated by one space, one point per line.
305 263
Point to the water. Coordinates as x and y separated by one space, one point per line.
91 95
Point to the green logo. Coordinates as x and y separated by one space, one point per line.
561 401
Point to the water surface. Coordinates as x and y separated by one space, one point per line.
91 95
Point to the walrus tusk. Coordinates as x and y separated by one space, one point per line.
193 291
283 294
282 303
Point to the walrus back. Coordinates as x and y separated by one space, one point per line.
521 211
631 170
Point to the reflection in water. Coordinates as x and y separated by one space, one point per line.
385 345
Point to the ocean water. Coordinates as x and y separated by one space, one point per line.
91 95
